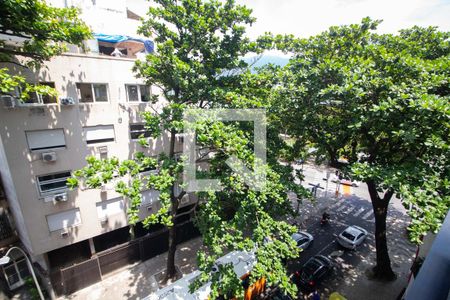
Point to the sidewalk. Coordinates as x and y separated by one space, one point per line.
138 281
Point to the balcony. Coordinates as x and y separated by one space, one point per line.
119 46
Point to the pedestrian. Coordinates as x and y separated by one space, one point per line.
315 296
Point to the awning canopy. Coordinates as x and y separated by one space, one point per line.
116 38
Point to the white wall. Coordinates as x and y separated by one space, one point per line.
25 165
106 16
11 196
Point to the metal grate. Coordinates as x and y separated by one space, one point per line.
119 257
80 276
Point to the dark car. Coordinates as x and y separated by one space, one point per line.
278 295
312 272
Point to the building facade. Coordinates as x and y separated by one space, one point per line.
97 112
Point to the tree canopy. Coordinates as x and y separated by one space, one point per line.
38 32
198 64
382 102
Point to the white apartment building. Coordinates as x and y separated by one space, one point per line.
95 113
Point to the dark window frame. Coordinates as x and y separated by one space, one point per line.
48 179
138 131
100 141
37 98
139 88
92 85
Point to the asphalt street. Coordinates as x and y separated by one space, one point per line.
345 212
352 208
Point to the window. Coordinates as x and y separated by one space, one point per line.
348 235
179 137
138 93
52 183
92 92
301 241
45 139
133 94
137 129
64 220
109 208
149 197
100 93
35 97
16 272
99 134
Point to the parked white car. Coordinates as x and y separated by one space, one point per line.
352 236
303 239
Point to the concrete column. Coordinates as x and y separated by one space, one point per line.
91 246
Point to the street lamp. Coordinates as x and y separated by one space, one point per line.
6 259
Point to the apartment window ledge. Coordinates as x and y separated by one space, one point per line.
138 103
94 103
25 105
93 145
39 152
98 56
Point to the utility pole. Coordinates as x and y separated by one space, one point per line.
326 187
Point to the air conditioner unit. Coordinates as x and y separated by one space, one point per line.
64 233
8 101
60 197
49 156
102 150
67 101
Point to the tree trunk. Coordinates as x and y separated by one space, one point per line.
170 268
171 271
383 269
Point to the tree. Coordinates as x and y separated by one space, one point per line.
39 32
381 101
198 65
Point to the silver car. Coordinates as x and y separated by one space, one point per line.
352 236
303 239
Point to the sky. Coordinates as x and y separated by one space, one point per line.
305 18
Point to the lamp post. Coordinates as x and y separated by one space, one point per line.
326 188
6 259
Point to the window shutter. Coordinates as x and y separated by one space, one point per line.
64 219
99 134
45 139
